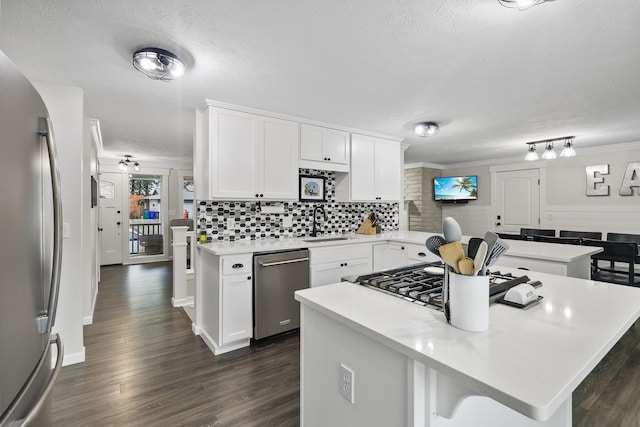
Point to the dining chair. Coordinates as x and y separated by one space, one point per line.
512 236
613 252
561 240
539 231
596 235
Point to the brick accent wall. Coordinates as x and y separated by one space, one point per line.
424 213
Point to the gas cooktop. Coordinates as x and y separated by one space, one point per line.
422 283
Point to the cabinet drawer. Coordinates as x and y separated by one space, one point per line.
236 264
419 253
339 252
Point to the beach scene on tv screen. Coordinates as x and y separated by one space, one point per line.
455 187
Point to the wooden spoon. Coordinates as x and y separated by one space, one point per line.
465 265
451 254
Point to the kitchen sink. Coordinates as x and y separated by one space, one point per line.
325 239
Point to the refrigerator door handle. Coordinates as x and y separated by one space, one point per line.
35 409
47 132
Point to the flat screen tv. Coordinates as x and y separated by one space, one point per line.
455 189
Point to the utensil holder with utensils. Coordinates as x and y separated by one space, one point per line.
469 302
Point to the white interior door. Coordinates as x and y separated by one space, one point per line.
517 200
110 227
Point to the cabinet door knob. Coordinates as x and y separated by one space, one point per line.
237 265
421 254
261 195
329 158
248 277
402 248
118 223
257 195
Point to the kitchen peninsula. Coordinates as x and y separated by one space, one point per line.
224 317
410 368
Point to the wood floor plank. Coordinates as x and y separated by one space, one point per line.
144 367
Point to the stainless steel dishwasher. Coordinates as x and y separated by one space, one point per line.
277 275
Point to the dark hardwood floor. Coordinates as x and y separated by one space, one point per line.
144 367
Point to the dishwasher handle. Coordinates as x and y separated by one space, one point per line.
289 261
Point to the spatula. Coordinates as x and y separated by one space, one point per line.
465 266
451 254
499 248
481 255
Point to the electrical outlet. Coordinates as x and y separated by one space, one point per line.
231 223
346 382
287 222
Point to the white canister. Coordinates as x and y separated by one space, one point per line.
469 302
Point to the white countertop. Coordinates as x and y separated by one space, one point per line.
549 251
529 360
526 249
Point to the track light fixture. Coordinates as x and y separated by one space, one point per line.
549 152
125 163
425 129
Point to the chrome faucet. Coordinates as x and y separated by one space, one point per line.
314 230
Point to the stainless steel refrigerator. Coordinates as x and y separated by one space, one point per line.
30 252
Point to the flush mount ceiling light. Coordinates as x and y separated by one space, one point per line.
521 4
425 129
568 150
158 64
125 163
549 152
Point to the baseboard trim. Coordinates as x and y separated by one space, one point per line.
73 358
88 320
182 302
220 349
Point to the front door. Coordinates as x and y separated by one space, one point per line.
110 227
517 200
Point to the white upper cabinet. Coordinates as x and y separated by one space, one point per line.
250 156
324 148
375 169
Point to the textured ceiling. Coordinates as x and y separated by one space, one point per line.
493 77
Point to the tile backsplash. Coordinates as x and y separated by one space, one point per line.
250 223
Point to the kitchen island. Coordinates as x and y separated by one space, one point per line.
223 276
411 368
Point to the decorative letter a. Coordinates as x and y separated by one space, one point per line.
631 179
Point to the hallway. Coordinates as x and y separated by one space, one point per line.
145 367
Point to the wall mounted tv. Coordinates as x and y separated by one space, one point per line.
455 189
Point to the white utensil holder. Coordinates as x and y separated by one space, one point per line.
469 302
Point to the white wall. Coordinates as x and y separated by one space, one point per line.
89 224
474 217
564 204
65 105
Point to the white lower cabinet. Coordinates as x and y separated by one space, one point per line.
389 255
224 300
330 264
236 308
